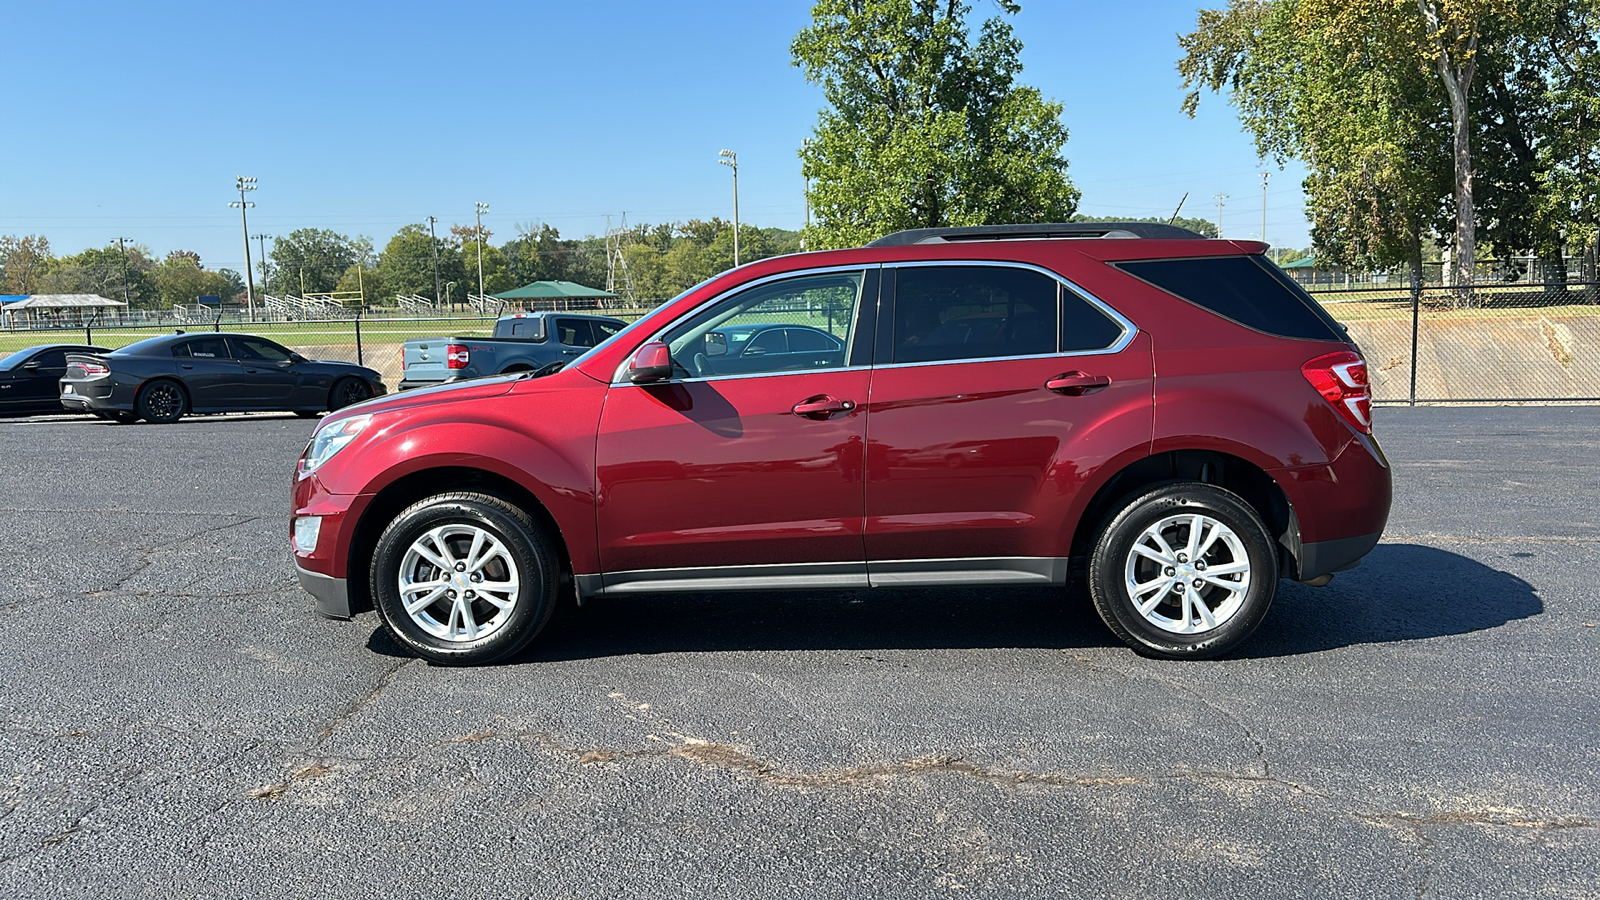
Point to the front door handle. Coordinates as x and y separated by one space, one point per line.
1076 384
188 365
822 406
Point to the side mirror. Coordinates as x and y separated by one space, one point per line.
716 344
31 365
652 362
295 358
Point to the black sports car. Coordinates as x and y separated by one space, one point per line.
162 378
29 378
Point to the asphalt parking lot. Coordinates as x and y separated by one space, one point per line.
176 722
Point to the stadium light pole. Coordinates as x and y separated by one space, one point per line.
731 160
122 249
482 208
246 183
433 245
261 241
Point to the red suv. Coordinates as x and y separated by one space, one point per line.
1168 417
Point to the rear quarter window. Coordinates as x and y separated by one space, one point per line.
1244 289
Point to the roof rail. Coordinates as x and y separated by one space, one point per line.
1148 230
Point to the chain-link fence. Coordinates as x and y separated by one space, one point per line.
1537 343
1533 343
377 343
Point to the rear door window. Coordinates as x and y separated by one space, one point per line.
973 312
203 348
575 332
1244 289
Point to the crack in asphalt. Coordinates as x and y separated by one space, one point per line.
147 559
360 703
1207 702
125 781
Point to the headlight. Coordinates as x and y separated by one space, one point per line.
331 439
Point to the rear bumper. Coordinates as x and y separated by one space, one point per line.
333 594
408 385
1326 557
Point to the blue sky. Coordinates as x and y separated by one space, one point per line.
133 119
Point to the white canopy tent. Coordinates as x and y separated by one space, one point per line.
55 309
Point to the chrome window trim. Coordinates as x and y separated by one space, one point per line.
1129 330
620 377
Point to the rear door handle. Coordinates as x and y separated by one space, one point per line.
822 406
1076 384
188 365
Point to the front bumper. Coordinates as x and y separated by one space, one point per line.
333 594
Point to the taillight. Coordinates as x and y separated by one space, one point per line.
1341 379
93 370
455 356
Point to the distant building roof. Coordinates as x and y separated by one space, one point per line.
551 290
62 301
1308 262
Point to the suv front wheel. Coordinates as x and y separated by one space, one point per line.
1184 571
464 578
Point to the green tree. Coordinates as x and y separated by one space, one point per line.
406 264
1321 88
925 126
1200 226
23 261
1376 96
179 279
105 271
1539 172
318 255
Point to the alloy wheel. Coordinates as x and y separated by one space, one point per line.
1187 574
459 582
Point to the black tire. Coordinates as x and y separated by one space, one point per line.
307 414
162 402
348 391
528 548
1175 627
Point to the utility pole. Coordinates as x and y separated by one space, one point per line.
1265 176
433 245
1222 200
246 183
731 160
261 241
123 249
805 148
482 208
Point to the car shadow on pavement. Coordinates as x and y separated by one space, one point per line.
1401 592
912 619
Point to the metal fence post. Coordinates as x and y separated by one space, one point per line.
88 334
359 360
1416 315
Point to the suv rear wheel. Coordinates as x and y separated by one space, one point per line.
464 578
1184 571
